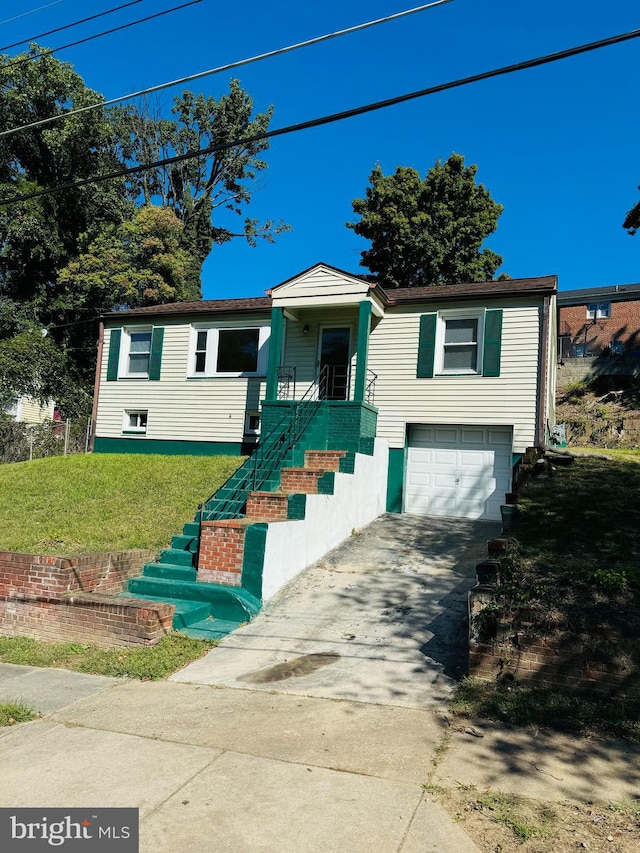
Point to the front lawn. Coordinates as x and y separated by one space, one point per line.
104 502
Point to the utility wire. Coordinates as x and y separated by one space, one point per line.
335 117
51 51
69 26
228 67
24 14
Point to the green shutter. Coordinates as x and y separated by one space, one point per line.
157 336
426 346
114 354
492 343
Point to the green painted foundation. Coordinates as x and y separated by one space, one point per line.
395 479
169 448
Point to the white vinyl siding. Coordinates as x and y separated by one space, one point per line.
510 399
301 351
181 408
29 411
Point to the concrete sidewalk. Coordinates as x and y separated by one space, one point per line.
218 769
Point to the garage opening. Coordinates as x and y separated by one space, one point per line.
458 471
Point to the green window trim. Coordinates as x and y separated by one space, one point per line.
492 342
155 359
426 345
114 354
491 345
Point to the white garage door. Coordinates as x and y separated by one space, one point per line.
458 471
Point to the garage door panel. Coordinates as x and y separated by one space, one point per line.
459 471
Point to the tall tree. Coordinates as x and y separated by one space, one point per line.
200 190
38 237
632 219
428 231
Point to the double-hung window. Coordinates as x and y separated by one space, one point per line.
459 343
229 351
139 354
598 310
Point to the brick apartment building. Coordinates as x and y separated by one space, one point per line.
599 320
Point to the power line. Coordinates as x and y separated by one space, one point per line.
69 26
24 14
228 67
335 117
51 51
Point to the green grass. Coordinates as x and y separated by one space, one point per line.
15 712
575 576
150 663
580 713
104 502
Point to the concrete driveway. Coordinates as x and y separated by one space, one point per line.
382 619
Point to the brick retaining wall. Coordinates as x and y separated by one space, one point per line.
556 659
73 599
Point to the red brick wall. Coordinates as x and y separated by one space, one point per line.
87 618
300 481
222 551
267 506
558 659
623 325
69 598
544 662
42 575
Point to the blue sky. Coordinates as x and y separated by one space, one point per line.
557 146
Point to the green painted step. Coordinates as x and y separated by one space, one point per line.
170 572
210 629
176 557
192 528
186 612
227 602
185 543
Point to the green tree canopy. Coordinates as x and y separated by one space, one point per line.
428 231
632 219
202 190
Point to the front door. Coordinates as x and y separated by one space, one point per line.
334 363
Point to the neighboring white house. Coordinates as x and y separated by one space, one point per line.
29 411
461 378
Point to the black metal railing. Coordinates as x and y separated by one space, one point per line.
370 388
265 460
286 383
334 381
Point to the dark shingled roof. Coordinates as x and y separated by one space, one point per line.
205 306
613 293
541 286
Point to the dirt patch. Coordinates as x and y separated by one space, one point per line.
294 668
499 823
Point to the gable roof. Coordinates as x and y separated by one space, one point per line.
612 293
539 286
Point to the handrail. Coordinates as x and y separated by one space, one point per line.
266 458
370 390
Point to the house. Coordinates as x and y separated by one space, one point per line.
29 411
457 380
599 321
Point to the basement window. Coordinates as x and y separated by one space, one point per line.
135 421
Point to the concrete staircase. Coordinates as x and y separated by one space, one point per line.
210 599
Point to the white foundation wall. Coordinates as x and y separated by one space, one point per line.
358 498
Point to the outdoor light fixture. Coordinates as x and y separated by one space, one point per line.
305 329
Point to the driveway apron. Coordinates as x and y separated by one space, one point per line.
382 619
